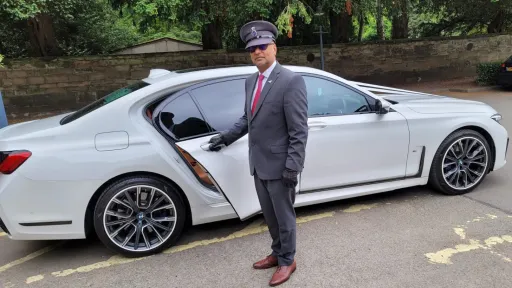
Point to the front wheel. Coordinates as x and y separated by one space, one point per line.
139 216
461 163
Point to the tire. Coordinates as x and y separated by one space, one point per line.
439 179
114 197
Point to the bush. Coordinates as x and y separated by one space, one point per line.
487 73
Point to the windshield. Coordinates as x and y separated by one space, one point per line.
104 101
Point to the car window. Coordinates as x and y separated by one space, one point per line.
181 118
104 101
222 103
330 98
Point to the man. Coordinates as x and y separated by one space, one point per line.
276 120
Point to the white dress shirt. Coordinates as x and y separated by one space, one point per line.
266 74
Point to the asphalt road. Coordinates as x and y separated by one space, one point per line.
406 238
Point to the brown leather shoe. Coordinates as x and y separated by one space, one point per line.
268 262
282 274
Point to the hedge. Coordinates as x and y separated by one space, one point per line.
487 73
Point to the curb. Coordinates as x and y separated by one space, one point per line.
468 90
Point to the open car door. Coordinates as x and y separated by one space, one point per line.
229 168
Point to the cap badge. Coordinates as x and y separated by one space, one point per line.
254 32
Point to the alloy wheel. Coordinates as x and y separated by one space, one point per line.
139 218
465 163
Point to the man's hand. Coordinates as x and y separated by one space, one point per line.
216 141
290 178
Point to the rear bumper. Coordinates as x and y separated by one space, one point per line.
504 78
43 210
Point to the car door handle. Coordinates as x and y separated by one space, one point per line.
316 125
205 146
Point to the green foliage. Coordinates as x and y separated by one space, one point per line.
461 17
95 29
1 59
81 28
370 27
487 73
102 26
21 9
294 7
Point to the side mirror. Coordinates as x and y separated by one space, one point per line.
380 109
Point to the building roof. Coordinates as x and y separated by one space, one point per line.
158 40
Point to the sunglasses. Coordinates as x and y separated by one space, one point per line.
262 47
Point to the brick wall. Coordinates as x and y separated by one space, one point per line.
37 86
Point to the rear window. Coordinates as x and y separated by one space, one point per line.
119 93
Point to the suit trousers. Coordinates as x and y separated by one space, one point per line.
277 202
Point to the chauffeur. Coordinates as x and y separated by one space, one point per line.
276 120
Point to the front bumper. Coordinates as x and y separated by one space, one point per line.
3 227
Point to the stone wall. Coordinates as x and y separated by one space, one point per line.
47 85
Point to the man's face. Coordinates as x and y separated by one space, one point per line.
263 55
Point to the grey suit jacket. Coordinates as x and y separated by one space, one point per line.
278 130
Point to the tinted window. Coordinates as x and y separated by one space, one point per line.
222 103
104 101
329 98
180 118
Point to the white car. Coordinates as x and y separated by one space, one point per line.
134 167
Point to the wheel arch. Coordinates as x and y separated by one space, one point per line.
88 217
487 137
463 126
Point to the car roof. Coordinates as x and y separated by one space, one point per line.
212 72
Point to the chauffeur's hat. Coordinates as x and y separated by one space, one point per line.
258 33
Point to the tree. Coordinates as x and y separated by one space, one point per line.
61 27
208 16
37 15
458 17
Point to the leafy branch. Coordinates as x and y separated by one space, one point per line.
284 22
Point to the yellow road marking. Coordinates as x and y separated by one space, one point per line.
359 207
444 256
254 228
34 279
28 257
460 232
2 234
114 260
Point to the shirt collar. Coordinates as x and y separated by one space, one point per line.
267 72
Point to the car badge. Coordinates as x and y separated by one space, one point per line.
254 32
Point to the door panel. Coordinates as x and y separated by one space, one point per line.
230 169
348 143
352 149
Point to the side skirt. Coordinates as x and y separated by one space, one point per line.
338 193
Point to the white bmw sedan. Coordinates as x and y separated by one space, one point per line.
134 166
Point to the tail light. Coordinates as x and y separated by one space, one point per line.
198 169
10 161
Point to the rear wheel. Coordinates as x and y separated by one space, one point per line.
461 163
139 216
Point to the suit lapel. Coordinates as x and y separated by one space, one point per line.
272 78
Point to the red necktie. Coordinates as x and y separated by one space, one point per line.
258 92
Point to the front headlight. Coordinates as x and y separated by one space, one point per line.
497 117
